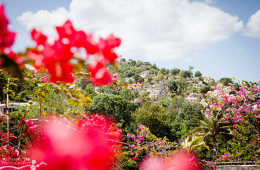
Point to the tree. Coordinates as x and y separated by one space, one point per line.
149 79
198 74
225 81
163 71
172 85
186 119
155 117
190 71
140 79
175 71
113 105
211 128
136 77
185 74
205 89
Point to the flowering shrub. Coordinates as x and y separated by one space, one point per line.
239 109
143 144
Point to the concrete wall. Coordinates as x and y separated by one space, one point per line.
234 167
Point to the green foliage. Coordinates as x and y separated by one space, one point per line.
113 105
205 89
187 119
175 71
144 97
164 71
185 74
198 74
226 81
155 117
172 85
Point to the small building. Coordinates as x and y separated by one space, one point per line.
193 98
199 85
146 63
145 73
154 92
11 107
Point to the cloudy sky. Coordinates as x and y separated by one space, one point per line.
220 38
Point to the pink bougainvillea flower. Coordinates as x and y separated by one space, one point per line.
37 57
182 160
56 57
6 37
77 38
115 76
38 37
134 158
66 146
99 73
107 46
44 79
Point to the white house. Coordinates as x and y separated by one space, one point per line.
127 79
199 85
11 107
145 73
193 98
154 92
146 63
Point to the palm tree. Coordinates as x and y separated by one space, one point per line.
212 128
191 143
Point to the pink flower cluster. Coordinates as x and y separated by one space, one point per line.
85 144
44 79
224 157
144 139
57 58
30 127
6 37
181 160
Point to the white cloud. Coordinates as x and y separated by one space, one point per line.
156 29
44 20
253 25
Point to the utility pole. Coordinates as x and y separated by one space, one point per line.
7 113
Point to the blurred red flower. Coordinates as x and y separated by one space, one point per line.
99 73
84 146
6 37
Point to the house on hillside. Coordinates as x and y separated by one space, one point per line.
155 92
193 98
145 73
11 107
199 85
146 63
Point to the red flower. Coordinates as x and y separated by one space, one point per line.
77 38
106 47
134 158
183 160
99 73
37 57
65 146
38 37
6 37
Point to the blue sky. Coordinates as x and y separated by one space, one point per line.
220 38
